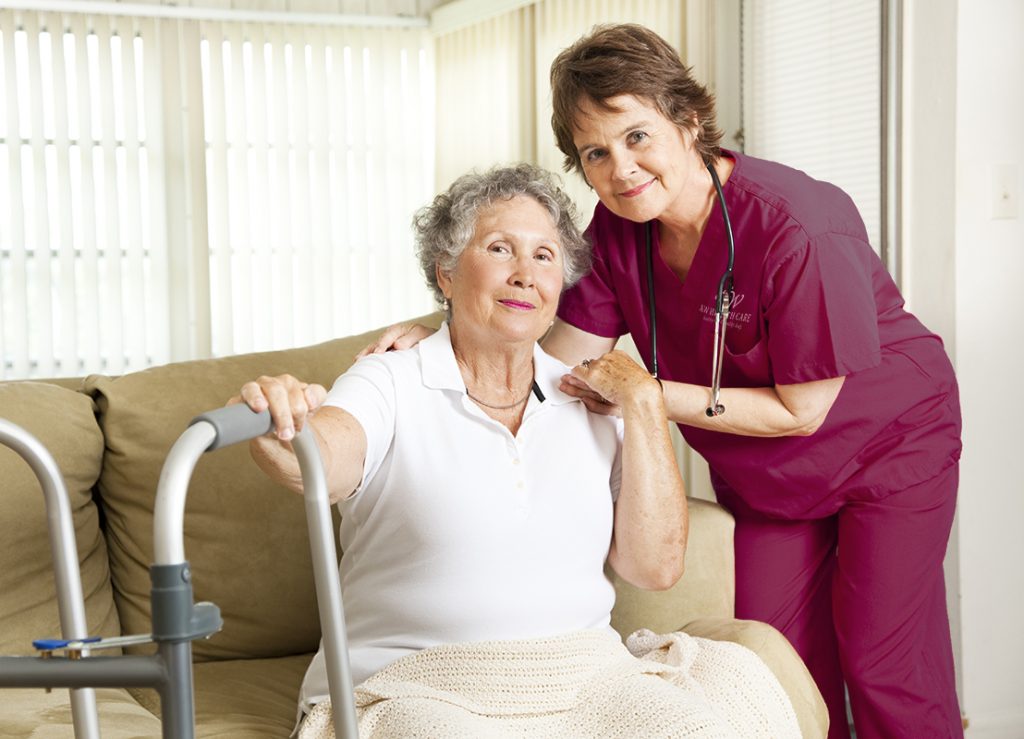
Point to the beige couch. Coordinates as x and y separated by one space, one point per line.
246 541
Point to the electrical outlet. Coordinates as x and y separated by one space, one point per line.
1005 191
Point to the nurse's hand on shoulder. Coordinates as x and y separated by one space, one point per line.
613 385
399 336
290 401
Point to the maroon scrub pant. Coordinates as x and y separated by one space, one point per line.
861 596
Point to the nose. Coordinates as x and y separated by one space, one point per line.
522 275
623 164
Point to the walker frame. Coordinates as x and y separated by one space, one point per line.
177 620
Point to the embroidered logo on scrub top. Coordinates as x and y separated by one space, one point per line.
736 318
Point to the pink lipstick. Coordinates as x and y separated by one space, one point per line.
516 304
637 190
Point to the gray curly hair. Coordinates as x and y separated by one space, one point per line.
444 228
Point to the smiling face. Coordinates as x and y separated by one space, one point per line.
508 279
639 162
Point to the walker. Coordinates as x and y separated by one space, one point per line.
68 662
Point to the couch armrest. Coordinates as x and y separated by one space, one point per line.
706 590
776 651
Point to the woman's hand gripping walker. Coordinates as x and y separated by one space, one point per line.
177 621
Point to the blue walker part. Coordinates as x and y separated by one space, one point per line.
48 645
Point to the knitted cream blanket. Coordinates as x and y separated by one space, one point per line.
584 684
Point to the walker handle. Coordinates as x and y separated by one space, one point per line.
235 423
238 422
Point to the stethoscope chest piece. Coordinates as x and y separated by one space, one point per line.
723 303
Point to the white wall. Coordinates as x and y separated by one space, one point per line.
989 268
928 228
964 115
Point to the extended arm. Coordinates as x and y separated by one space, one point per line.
572 345
294 404
783 410
397 336
564 341
651 522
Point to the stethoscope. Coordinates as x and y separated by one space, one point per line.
722 303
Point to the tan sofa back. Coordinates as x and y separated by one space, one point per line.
63 422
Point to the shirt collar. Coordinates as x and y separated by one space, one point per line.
441 371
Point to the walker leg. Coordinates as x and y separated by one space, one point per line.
67 576
176 701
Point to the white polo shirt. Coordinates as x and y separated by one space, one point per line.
461 531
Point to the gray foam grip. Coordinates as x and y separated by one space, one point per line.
235 423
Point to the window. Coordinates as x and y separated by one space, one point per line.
318 145
81 237
812 96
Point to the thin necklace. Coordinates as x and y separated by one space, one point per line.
501 407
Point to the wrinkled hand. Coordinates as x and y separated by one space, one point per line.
608 383
399 336
291 402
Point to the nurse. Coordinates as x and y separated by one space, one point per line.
839 445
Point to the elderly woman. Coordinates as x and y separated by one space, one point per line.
480 502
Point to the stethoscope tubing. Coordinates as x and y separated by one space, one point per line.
723 302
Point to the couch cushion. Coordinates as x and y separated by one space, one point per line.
244 537
63 422
248 698
242 698
34 714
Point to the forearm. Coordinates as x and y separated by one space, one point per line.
651 523
342 445
277 461
794 410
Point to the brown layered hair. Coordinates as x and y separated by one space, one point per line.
629 59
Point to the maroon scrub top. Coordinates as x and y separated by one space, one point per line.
812 301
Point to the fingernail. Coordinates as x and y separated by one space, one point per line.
287 434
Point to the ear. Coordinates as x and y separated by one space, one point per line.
444 281
694 130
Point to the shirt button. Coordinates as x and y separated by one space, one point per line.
515 461
519 485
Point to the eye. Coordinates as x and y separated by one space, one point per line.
545 254
635 137
595 155
500 248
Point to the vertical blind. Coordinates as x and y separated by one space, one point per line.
485 95
81 234
319 148
494 80
811 78
319 144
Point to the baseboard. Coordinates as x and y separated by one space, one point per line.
995 725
